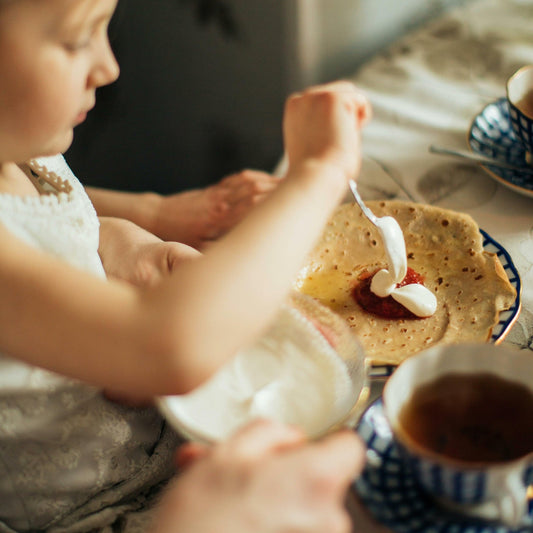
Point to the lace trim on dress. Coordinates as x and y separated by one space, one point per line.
55 192
47 181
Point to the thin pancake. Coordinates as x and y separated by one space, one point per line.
444 246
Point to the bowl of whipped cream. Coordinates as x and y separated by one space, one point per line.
307 370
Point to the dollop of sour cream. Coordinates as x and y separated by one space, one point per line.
415 297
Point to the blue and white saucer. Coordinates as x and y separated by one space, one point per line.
491 134
507 318
388 490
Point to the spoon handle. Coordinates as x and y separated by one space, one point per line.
478 158
366 211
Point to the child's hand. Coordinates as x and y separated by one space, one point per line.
130 253
202 215
322 124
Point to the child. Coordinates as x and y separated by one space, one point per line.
71 459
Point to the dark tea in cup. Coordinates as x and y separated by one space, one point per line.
471 417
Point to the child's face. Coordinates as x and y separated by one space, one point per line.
54 54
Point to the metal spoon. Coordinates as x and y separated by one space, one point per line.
366 211
484 160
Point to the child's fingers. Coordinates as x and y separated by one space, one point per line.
364 110
338 85
357 102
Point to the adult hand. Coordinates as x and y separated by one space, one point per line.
266 478
323 124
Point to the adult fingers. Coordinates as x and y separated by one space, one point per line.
260 438
338 459
189 453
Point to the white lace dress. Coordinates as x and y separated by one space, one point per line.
69 459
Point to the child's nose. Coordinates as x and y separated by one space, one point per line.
106 69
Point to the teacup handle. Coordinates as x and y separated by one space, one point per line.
513 506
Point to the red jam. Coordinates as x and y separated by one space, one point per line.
386 307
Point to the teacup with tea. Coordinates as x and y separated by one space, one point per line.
463 415
520 100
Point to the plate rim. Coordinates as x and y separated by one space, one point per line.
494 173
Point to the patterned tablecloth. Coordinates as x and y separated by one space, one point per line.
427 89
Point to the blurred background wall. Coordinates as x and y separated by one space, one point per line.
203 82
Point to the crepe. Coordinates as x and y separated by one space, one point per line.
444 246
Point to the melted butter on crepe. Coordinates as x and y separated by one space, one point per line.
444 246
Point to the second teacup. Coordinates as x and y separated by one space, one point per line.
463 416
520 100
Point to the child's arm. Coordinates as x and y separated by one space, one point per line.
171 337
132 254
193 217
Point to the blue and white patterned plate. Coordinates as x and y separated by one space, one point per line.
507 318
491 134
387 488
